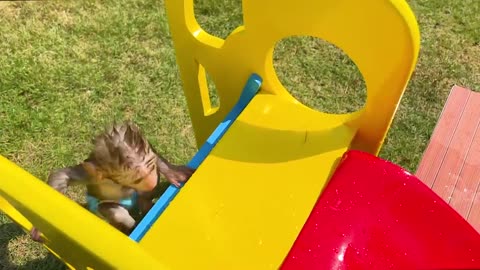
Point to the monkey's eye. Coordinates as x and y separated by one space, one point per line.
137 181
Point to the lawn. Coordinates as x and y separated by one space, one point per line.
68 68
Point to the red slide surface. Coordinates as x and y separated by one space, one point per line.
375 215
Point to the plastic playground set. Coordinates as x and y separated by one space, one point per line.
278 184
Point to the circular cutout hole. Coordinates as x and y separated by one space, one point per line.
319 75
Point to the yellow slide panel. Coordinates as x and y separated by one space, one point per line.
247 202
78 237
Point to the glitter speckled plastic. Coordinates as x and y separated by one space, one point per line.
375 215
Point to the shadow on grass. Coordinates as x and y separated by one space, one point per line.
11 231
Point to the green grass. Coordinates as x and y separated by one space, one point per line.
68 68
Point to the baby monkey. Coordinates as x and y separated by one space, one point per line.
121 174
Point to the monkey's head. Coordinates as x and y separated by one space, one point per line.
122 154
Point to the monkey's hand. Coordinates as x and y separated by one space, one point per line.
36 235
178 174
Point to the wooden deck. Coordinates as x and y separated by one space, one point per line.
451 162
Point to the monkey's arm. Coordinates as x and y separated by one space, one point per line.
175 174
60 179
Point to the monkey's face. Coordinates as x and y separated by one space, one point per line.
123 156
146 179
140 178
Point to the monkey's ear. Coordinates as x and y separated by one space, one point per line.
92 170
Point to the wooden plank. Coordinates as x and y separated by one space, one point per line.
434 155
474 212
454 160
451 163
468 180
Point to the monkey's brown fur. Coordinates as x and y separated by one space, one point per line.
121 162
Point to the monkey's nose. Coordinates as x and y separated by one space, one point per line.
149 183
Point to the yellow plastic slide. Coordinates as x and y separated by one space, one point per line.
249 198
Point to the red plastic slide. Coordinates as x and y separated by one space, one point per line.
375 215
